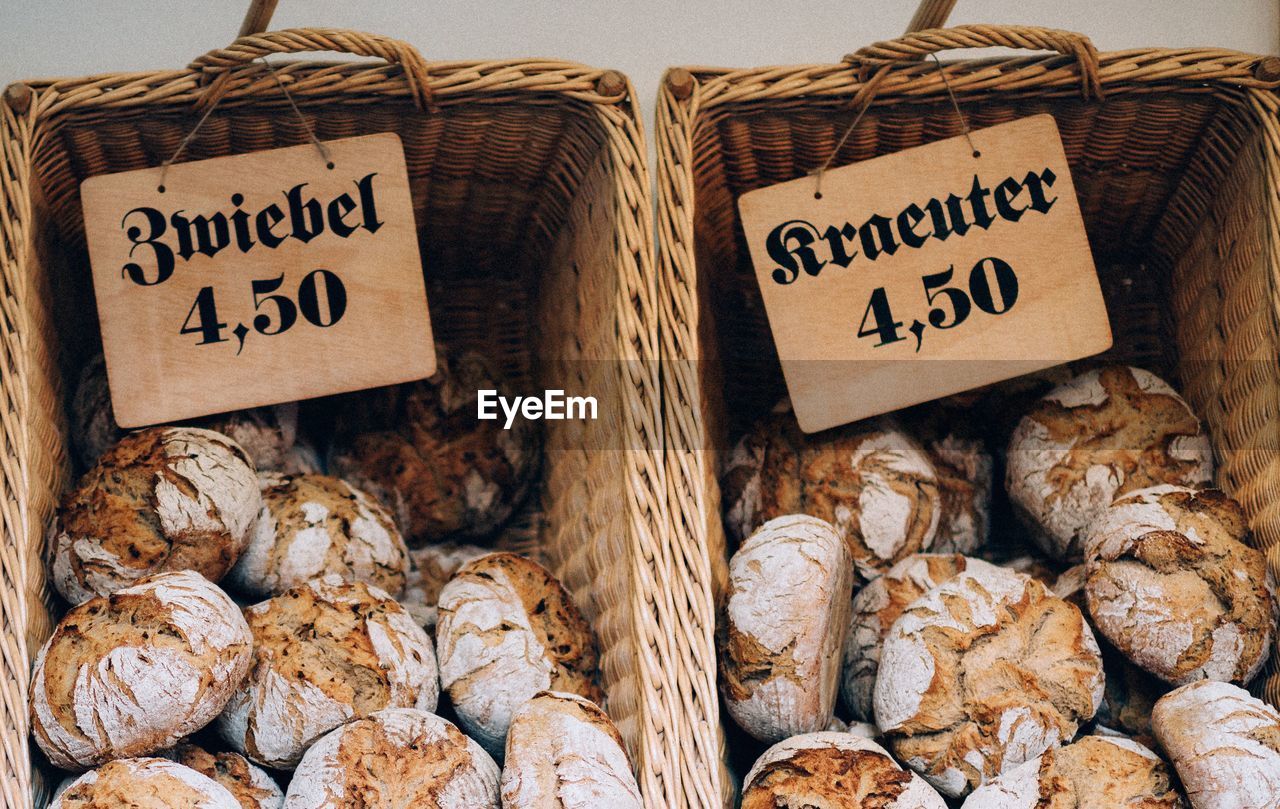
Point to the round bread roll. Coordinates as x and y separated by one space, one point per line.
1172 585
394 759
1224 743
870 480
165 498
563 752
874 610
965 481
249 785
833 771
779 642
982 673
314 525
132 673
1103 434
430 568
508 630
421 450
144 783
93 422
1095 772
325 652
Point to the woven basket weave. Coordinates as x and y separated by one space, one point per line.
1176 158
530 186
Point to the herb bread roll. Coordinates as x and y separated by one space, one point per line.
563 752
833 771
507 630
144 783
399 758
1171 584
132 673
784 624
249 785
1103 434
165 498
314 525
430 568
325 652
982 673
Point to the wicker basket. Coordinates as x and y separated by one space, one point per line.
1176 157
530 184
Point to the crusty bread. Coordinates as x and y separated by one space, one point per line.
982 673
779 640
395 759
508 630
1172 585
248 784
325 652
1224 743
833 771
870 480
144 783
131 673
314 525
430 568
563 752
1105 433
165 498
1093 773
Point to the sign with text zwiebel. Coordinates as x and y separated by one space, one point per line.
257 278
926 272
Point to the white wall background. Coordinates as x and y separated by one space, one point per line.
44 38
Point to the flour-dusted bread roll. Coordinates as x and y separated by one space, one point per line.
166 498
781 635
1224 743
982 673
1103 434
325 652
421 450
399 758
508 630
249 785
144 783
314 525
949 433
430 568
876 607
563 752
870 480
1093 773
270 436
1172 585
132 673
833 771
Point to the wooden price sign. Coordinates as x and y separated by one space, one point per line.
258 278
926 272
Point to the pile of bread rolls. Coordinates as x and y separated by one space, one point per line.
883 649
246 632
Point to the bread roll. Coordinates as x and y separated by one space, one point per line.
874 610
833 771
1092 773
165 498
1103 434
132 673
249 785
314 525
508 630
1172 585
1224 743
563 752
325 652
144 783
982 673
781 636
399 758
430 568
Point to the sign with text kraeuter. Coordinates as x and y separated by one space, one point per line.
926 272
257 278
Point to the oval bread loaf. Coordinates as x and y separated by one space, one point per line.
249 785
144 783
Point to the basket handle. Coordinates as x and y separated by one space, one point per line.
916 45
301 40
